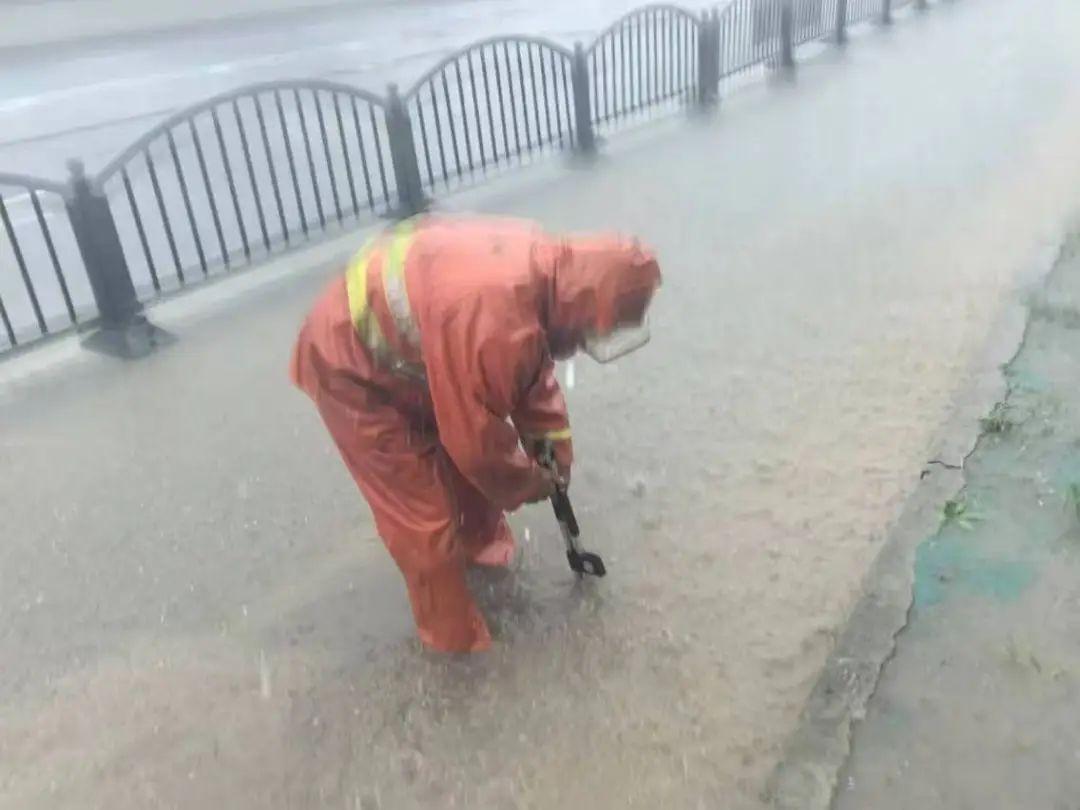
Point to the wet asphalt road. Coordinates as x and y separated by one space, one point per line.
89 101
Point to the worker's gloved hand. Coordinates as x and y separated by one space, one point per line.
542 451
545 482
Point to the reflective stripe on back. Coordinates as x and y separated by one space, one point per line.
394 287
394 250
363 319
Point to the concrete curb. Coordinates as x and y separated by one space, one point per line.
807 774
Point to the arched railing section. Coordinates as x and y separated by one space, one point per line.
646 59
498 101
43 284
245 174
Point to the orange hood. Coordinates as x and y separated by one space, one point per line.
595 284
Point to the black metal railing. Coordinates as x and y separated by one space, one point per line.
267 167
862 10
496 103
48 290
245 174
813 19
751 34
646 59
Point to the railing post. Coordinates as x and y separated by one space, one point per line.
886 12
123 331
841 21
708 58
787 34
410 188
579 77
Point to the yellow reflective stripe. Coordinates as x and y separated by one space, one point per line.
356 282
560 435
367 325
394 286
399 248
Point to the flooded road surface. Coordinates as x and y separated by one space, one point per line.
194 609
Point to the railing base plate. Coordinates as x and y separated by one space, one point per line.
136 339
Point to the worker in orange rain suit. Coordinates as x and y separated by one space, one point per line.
431 364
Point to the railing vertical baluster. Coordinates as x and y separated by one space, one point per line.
611 92
670 24
7 324
464 121
602 99
419 102
363 153
654 57
275 186
491 115
513 100
689 60
21 262
232 183
216 218
524 99
140 230
646 60
765 44
568 96
726 42
555 94
594 75
379 155
187 202
449 119
682 36
47 236
321 118
255 193
535 97
292 164
739 34
438 131
502 103
547 101
476 114
310 159
164 214
4 313
345 154
639 57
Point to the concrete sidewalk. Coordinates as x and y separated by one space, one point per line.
195 611
978 707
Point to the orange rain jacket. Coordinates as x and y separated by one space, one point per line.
432 360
